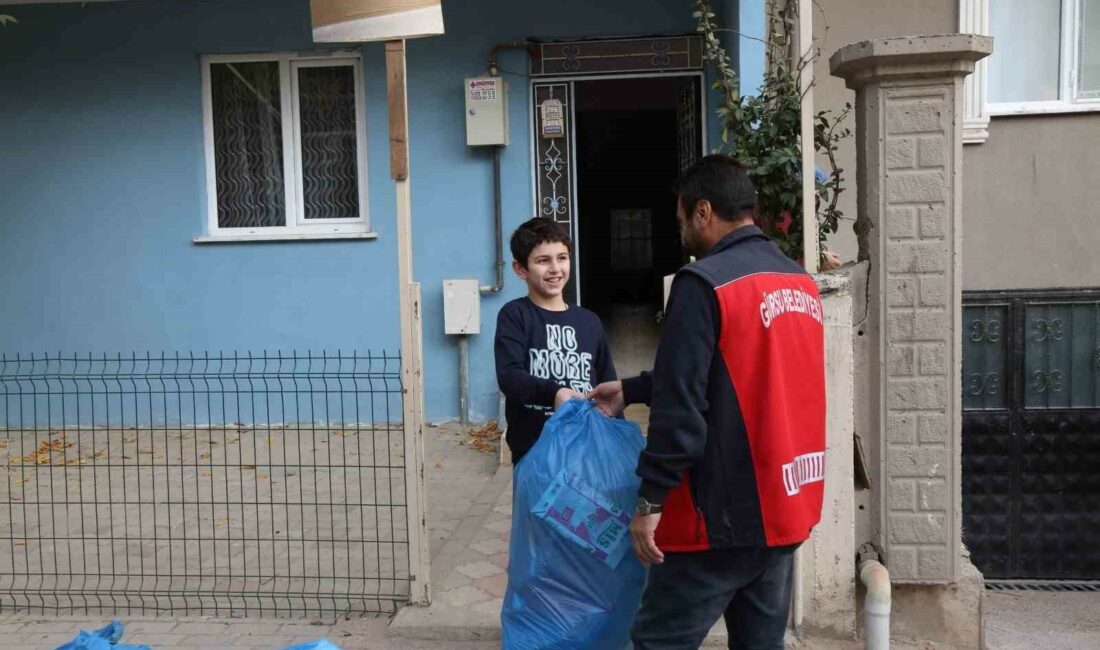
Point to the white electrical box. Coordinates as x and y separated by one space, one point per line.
461 307
486 111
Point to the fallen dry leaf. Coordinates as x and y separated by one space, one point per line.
485 439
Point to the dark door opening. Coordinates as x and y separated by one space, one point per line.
633 136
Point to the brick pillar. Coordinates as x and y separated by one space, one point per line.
909 116
909 140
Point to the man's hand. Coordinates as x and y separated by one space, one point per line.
564 395
642 530
609 398
830 261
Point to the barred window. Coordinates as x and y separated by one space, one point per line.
285 146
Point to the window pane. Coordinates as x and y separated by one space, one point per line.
1062 355
248 144
985 347
631 240
1026 47
329 146
1089 70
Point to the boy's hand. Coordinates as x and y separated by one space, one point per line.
609 398
564 395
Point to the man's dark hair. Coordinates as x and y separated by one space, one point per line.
534 232
720 181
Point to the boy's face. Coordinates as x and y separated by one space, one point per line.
547 269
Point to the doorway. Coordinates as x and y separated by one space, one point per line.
607 149
632 138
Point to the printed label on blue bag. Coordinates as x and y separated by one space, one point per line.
586 518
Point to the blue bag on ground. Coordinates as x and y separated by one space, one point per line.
319 644
573 581
105 638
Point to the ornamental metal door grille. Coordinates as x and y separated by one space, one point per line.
1031 433
687 123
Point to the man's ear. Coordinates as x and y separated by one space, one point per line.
703 212
519 270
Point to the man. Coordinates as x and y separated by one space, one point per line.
732 474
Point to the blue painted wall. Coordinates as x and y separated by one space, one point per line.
102 184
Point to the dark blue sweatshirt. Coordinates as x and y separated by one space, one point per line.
539 352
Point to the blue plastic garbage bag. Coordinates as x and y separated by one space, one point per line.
573 581
319 644
105 638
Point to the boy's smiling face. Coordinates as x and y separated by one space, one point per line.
547 270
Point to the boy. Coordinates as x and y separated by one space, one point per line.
547 351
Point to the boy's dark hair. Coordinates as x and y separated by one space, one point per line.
720 181
534 232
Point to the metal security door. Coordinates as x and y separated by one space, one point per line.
1031 434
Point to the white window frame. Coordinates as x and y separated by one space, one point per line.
297 226
974 19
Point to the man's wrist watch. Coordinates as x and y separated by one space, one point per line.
646 508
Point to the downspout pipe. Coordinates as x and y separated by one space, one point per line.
498 216
876 604
498 228
498 212
463 380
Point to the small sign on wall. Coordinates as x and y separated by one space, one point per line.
553 119
483 90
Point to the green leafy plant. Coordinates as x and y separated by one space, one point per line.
762 132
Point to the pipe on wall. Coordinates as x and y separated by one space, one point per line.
498 228
876 604
498 217
463 380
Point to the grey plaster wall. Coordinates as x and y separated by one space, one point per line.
1031 204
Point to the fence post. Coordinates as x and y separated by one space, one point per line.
412 365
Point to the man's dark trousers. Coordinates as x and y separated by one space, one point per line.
685 596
